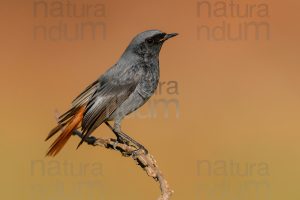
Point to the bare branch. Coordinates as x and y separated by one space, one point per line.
145 161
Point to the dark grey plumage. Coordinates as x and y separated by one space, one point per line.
122 89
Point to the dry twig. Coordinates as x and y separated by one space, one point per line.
144 160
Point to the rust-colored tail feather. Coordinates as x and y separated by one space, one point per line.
62 139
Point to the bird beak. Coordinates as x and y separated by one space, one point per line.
168 36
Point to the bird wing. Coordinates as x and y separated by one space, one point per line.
95 104
113 90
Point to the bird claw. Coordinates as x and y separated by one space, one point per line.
123 141
133 153
142 148
115 144
137 152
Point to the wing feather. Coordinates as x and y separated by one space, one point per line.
108 97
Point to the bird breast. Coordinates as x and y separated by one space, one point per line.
149 81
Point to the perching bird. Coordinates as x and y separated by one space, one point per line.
122 89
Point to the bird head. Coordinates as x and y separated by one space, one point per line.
148 44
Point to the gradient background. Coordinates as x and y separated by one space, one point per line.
239 101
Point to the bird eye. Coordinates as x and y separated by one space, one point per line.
150 41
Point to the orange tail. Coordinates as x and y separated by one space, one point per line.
62 139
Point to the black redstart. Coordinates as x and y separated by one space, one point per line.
122 89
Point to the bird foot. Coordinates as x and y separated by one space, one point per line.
137 152
115 145
123 140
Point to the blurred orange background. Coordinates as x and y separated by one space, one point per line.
237 132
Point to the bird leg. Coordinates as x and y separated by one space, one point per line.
126 139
